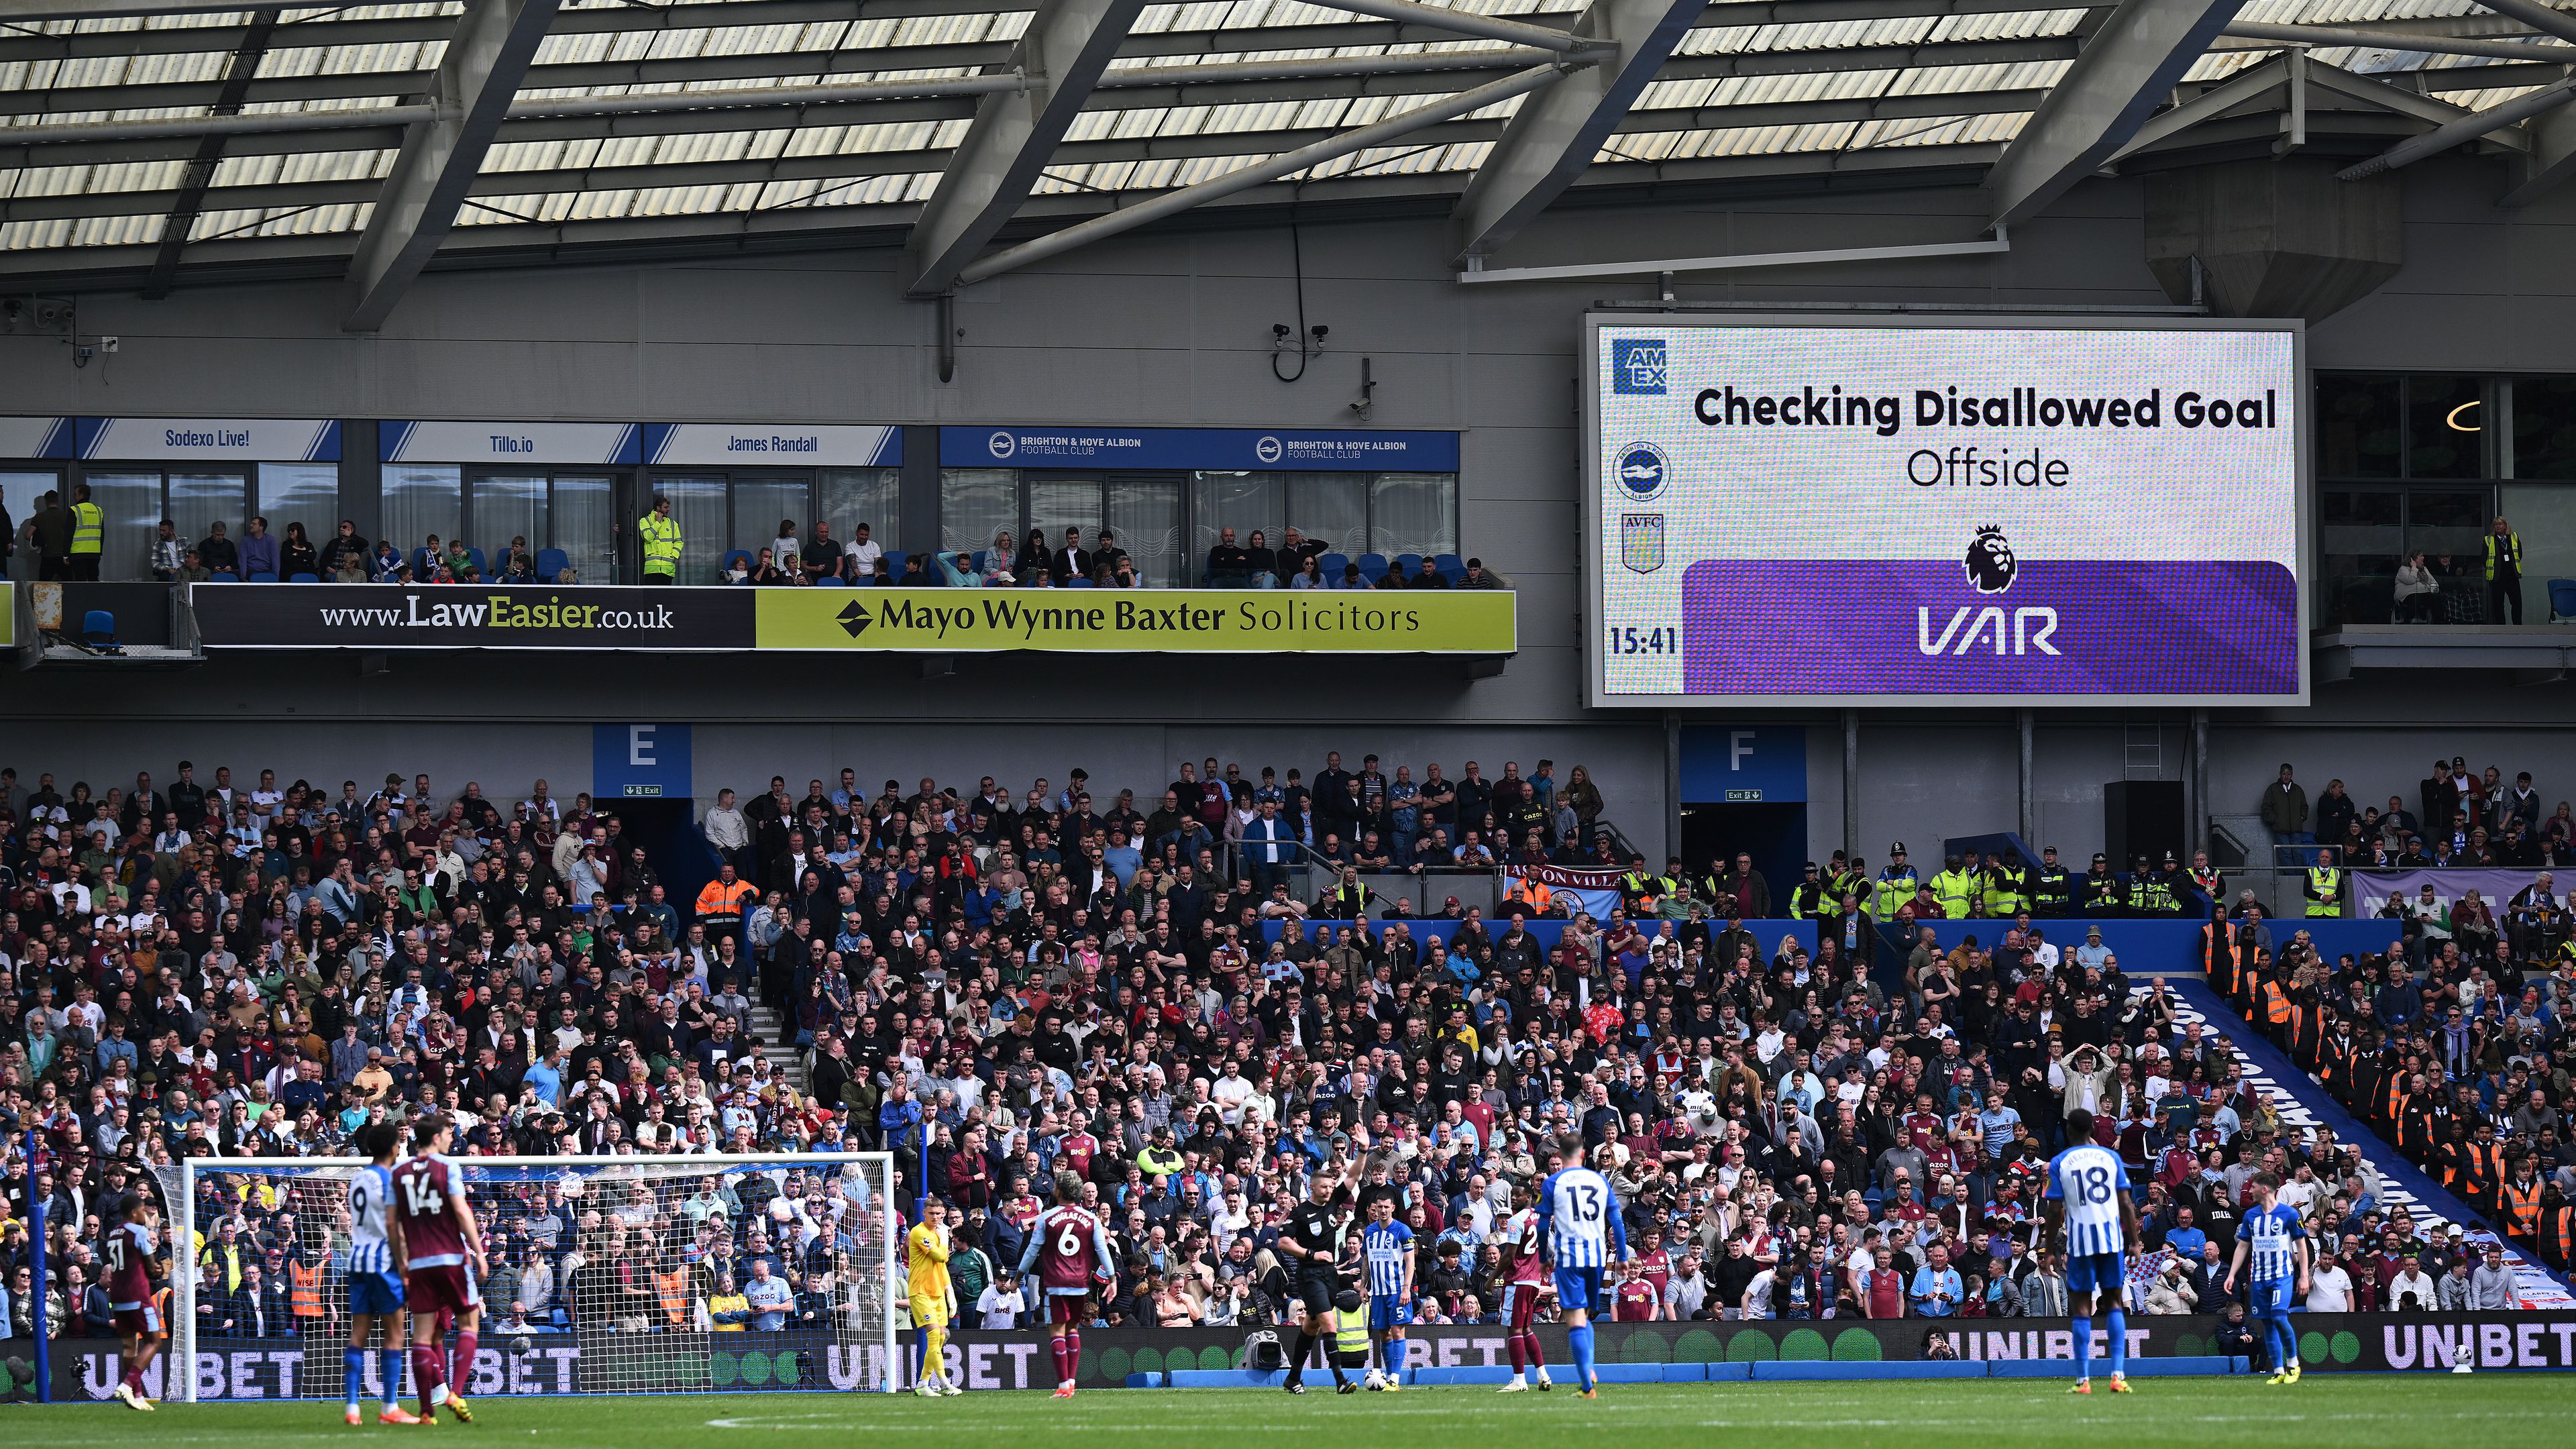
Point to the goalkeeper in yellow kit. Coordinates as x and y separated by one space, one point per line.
934 1302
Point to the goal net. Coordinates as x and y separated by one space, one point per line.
619 1275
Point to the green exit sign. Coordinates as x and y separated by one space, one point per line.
1734 797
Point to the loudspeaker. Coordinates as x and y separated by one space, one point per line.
2142 817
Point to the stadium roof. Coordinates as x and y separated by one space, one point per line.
147 142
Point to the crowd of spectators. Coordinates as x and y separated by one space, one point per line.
995 985
2457 818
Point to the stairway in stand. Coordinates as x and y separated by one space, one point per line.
779 1045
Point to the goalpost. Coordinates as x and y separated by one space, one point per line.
627 1268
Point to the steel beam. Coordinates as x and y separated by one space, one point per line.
1551 139
2126 70
494 41
1061 58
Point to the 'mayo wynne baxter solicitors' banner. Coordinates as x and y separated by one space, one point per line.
1172 621
1892 510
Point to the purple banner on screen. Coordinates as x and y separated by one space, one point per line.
1878 626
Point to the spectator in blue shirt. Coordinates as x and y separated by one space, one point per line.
1936 1289
768 1297
546 1075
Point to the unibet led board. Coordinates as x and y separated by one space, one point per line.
1904 510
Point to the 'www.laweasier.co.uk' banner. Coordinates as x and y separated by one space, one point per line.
1190 621
469 616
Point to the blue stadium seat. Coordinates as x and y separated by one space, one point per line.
979 559
1332 565
551 562
2562 600
263 577
225 577
894 564
725 565
1084 584
1408 564
303 578
1451 564
1372 567
98 630
831 581
474 556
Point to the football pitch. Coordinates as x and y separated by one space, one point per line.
2485 1412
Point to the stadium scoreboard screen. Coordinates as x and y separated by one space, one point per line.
1899 510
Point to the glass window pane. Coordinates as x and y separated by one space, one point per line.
305 493
21 494
2445 423
2362 538
2544 427
1146 519
1240 501
1332 507
419 501
2445 524
131 503
974 505
2357 427
1056 504
848 497
1413 513
199 501
2545 518
584 526
699 506
507 507
767 510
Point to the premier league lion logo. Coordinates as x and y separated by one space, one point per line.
1989 564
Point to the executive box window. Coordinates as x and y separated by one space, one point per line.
1151 513
720 512
566 509
133 501
2428 461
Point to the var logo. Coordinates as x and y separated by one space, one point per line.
2032 631
1637 366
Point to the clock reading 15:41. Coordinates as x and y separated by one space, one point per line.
1627 639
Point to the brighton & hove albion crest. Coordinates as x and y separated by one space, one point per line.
1641 541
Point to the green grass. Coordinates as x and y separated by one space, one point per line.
2499 1411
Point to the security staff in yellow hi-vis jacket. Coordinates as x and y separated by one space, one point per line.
1895 887
89 533
2324 887
2504 572
660 533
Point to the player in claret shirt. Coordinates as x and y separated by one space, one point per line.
441 1248
1069 1249
129 1251
1528 1284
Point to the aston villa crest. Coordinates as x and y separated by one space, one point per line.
1641 541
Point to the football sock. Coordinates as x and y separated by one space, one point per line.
389 1364
934 1353
1581 1339
2119 1341
1055 1349
463 1373
1520 1355
428 1367
1537 1354
1297 1357
353 1367
2084 1347
2272 1345
2289 1341
1072 1354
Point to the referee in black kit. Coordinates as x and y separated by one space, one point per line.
1312 1241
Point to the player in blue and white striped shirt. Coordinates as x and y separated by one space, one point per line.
375 1281
2088 1200
1579 1218
1387 1246
2275 1242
